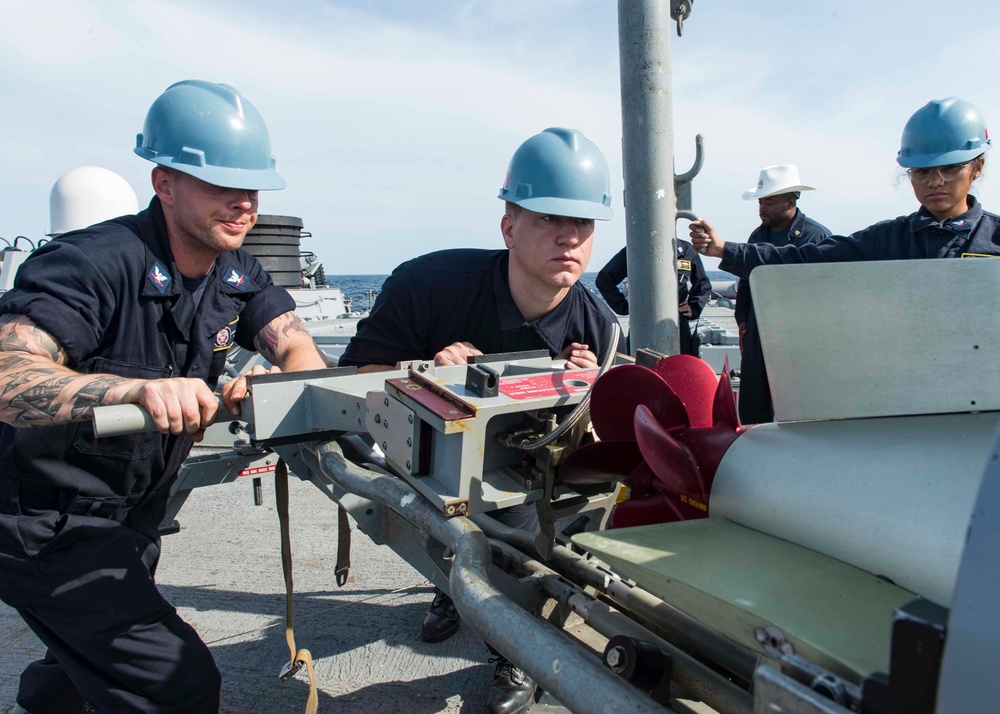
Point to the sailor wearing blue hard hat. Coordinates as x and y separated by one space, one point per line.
943 150
450 305
556 186
137 309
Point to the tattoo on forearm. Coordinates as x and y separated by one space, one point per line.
35 388
37 395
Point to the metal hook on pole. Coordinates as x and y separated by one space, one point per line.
682 182
680 10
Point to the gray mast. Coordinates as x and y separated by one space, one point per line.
648 157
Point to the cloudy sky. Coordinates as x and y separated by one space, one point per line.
393 120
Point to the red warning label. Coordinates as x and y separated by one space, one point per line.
554 384
257 470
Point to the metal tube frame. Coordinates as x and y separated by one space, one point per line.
710 687
653 613
560 665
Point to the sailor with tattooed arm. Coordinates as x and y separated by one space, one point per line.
139 309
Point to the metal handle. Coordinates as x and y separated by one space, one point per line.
691 216
124 419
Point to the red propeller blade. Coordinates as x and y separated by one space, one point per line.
724 404
670 460
619 391
694 383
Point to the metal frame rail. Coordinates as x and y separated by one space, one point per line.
560 664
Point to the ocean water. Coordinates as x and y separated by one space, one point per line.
363 289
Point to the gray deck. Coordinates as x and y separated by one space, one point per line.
223 572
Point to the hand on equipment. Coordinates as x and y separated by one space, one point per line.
235 391
175 405
705 240
579 356
456 353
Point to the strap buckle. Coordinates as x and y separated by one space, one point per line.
289 670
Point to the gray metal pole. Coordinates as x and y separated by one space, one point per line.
648 154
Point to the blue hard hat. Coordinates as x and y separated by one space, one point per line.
560 172
944 131
211 132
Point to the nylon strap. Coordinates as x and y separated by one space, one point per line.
300 657
343 547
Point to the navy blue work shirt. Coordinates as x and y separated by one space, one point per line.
113 298
463 295
918 235
800 231
693 284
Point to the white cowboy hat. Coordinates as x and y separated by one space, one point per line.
775 180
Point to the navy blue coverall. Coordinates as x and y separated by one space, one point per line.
463 295
975 233
755 392
693 285
79 515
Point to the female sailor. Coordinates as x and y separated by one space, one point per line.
943 151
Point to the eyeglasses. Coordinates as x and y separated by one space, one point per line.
947 173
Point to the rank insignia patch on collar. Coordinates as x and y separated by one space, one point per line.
237 279
159 276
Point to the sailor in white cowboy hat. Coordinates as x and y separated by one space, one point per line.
775 181
781 223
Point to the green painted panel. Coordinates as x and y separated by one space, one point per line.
736 580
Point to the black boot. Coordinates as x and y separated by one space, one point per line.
441 620
512 690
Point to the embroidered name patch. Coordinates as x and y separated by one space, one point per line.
237 279
159 277
225 337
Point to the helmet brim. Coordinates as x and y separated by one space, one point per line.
926 161
244 179
565 207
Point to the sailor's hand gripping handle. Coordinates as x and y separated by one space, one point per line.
124 419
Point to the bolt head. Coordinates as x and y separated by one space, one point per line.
615 657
